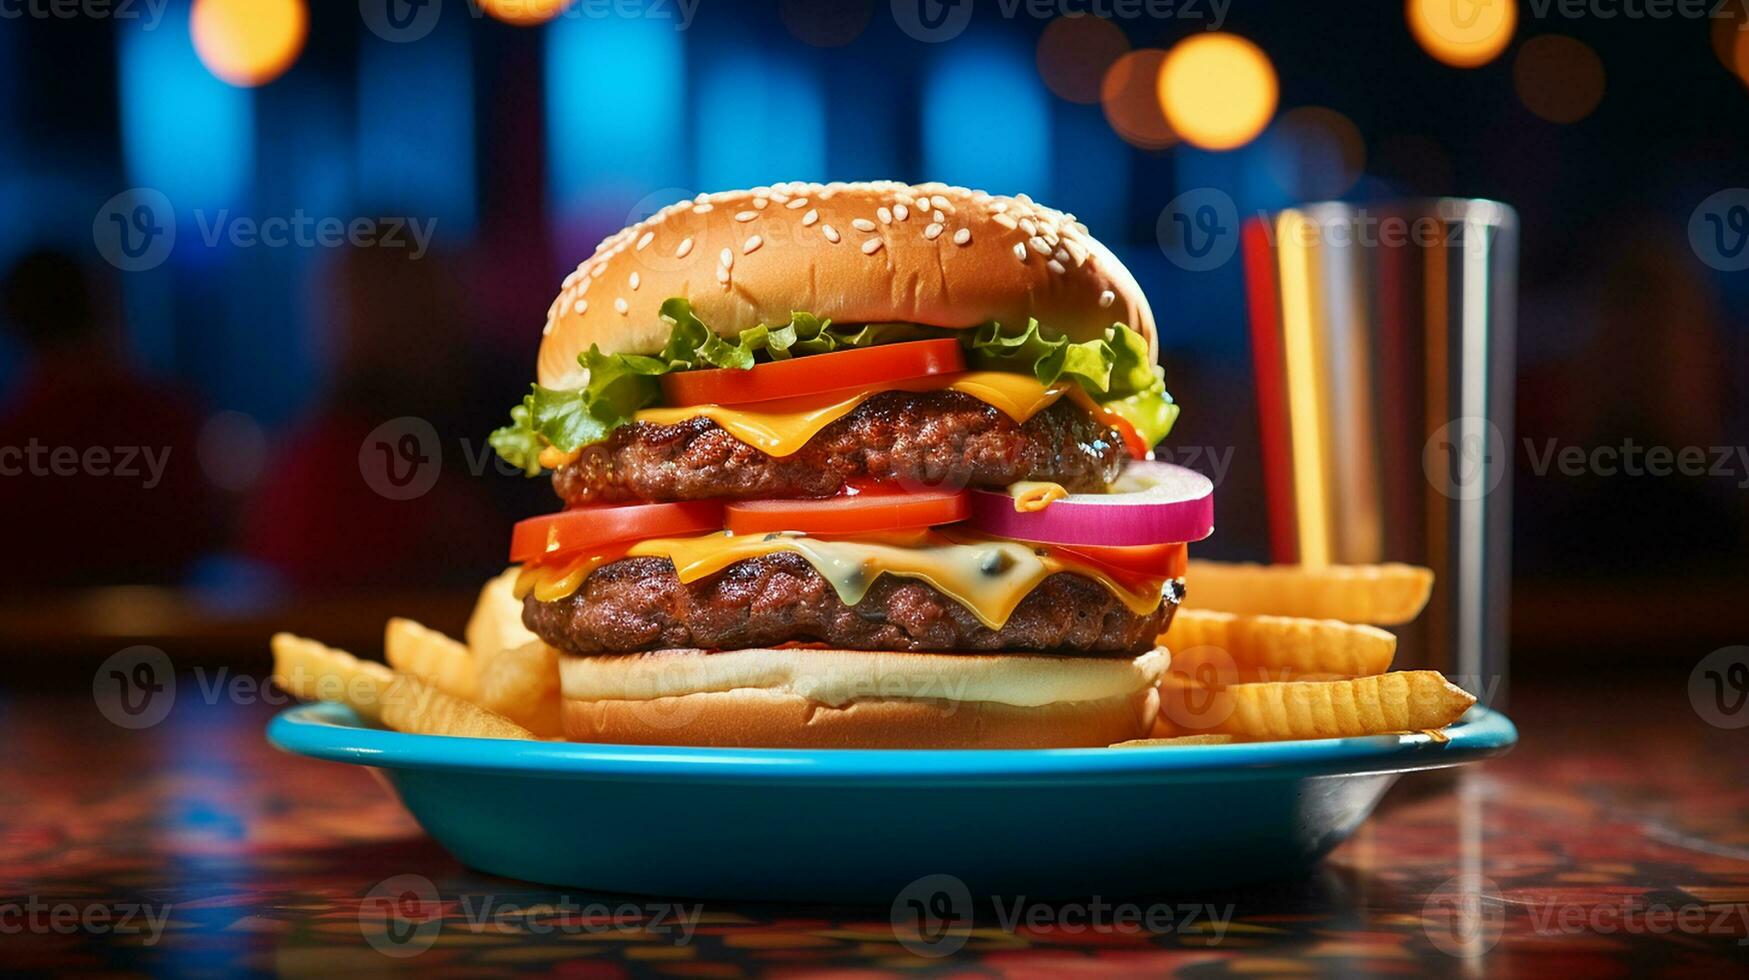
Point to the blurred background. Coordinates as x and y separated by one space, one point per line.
273 269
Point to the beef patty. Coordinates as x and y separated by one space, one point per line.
919 439
640 604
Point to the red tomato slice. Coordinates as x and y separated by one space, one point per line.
1132 440
1137 561
847 514
814 373
585 527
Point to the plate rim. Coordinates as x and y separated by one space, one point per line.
334 733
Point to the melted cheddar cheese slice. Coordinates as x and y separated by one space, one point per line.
988 576
783 426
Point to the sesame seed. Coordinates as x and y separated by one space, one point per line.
863 224
685 247
810 217
942 203
751 244
1107 298
885 214
871 246
746 215
962 236
901 212
701 209
1005 221
1038 245
722 275
797 202
644 239
584 284
938 216
830 232
634 282
581 306
1056 267
620 306
760 203
546 330
727 258
932 232
1029 226
1020 251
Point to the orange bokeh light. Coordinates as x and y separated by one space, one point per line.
1218 90
524 13
248 42
1131 103
1074 54
1558 78
1462 33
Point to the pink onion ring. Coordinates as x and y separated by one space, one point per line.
1151 503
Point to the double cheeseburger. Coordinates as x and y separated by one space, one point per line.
853 465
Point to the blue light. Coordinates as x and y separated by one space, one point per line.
184 132
1093 172
416 127
986 120
761 118
615 92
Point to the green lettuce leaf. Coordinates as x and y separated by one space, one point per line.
1115 370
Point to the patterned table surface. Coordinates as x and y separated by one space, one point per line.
1614 841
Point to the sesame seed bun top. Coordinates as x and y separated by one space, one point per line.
857 253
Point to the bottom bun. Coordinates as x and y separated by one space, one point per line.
755 718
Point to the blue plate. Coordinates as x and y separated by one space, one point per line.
853 825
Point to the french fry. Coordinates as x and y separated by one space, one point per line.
1382 595
1403 701
522 684
1279 647
425 653
315 672
312 671
411 705
496 622
1148 743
